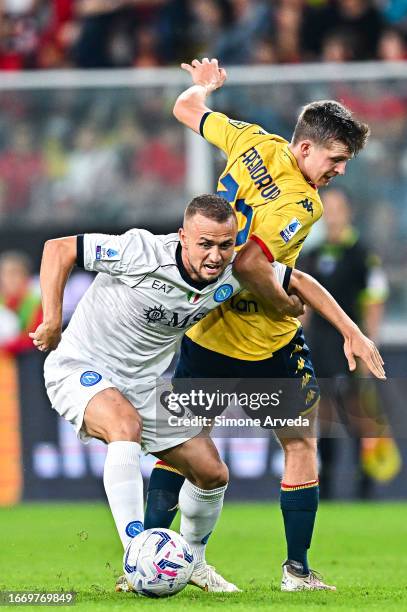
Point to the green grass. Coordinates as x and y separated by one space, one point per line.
360 548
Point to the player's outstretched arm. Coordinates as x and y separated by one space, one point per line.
190 105
255 273
356 344
58 259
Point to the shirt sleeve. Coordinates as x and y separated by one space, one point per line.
283 274
232 136
128 255
282 232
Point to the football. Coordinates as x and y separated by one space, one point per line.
158 563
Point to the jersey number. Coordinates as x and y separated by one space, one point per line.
240 206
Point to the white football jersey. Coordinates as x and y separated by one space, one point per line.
136 310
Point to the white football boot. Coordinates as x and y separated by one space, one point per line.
206 578
294 579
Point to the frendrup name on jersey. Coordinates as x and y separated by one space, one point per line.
260 174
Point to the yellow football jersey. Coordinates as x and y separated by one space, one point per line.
276 207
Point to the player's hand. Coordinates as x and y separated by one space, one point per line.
206 73
46 337
296 307
359 345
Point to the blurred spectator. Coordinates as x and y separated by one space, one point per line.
129 140
264 52
251 19
207 20
19 33
354 276
146 49
97 19
395 12
9 325
286 31
108 33
22 170
19 297
338 47
162 159
59 34
144 33
92 177
382 107
359 19
392 46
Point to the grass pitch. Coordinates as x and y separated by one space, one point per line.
359 547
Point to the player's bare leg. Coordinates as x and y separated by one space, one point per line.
110 417
200 503
299 504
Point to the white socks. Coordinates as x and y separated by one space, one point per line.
200 509
124 488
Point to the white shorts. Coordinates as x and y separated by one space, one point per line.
72 383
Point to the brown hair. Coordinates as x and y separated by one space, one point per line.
324 121
210 206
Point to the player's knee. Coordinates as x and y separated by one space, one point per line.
124 422
109 416
211 475
124 426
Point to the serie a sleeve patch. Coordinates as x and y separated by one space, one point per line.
291 229
106 253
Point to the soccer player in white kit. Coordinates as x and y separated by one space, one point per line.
122 337
103 376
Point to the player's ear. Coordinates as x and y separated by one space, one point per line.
181 236
305 147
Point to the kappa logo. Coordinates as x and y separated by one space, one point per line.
238 124
155 314
308 205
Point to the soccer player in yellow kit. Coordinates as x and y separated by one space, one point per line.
273 186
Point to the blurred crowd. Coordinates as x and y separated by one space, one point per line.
46 34
116 156
76 156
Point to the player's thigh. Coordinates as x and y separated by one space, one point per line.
109 416
199 461
71 385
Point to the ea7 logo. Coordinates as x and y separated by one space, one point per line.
307 204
